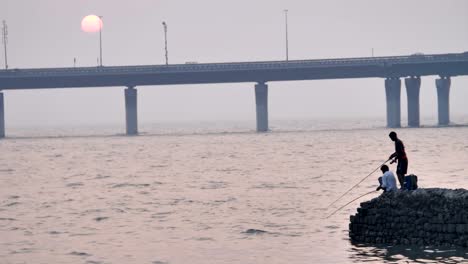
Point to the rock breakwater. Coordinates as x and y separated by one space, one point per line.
424 217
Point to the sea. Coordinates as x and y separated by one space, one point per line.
211 192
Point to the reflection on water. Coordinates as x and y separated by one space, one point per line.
405 254
208 198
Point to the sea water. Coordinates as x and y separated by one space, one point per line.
209 193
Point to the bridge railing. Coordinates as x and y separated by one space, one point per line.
232 66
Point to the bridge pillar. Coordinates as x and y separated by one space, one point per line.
131 114
413 86
393 93
2 116
443 103
261 101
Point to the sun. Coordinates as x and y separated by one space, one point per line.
91 23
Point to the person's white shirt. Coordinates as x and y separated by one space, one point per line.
389 181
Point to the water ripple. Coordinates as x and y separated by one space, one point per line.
135 185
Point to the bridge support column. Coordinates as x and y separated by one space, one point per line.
261 101
2 116
443 102
131 114
393 93
413 86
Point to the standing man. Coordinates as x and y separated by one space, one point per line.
387 181
400 156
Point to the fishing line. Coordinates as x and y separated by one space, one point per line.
349 203
357 184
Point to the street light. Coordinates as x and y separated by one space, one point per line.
165 41
100 40
287 41
5 41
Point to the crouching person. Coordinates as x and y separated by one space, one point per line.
387 181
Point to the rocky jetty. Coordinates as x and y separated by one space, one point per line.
424 217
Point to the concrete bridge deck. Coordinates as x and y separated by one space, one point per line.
370 67
412 68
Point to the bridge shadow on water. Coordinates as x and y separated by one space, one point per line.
208 132
360 253
122 135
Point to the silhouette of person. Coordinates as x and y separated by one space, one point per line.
387 181
400 156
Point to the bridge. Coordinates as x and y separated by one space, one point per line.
392 69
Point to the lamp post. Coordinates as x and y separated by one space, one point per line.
165 41
287 40
5 41
100 41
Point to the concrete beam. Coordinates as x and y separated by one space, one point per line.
413 86
261 101
393 94
2 116
443 102
131 113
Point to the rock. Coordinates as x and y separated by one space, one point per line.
424 217
450 229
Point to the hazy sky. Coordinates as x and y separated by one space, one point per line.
47 33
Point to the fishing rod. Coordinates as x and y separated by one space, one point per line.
357 184
334 212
